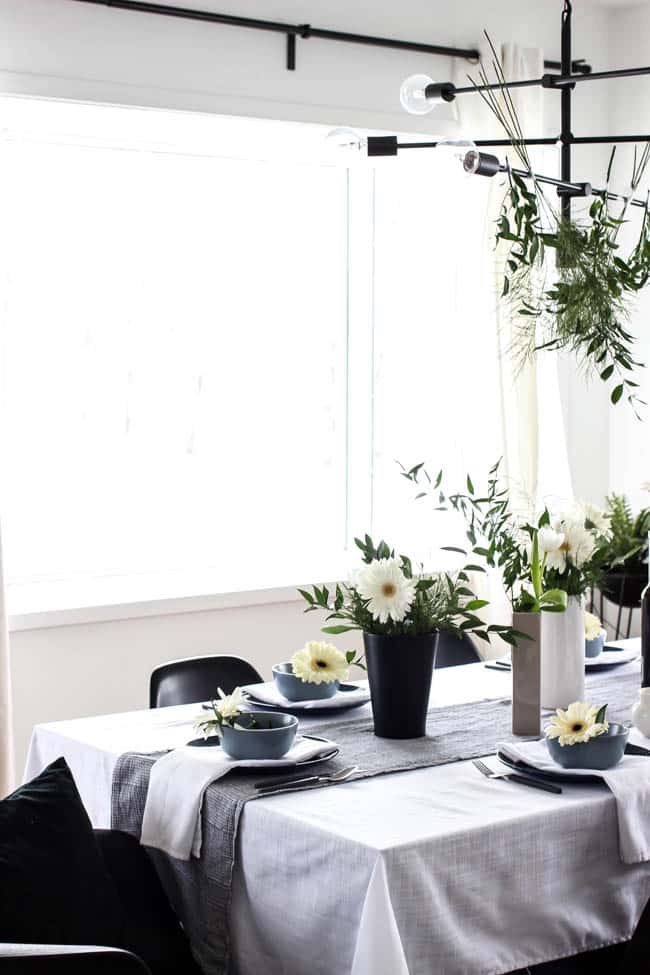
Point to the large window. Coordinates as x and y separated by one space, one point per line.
217 341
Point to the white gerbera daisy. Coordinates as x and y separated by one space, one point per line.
319 663
576 725
229 705
579 542
389 592
595 516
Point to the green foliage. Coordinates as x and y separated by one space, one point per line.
628 544
498 537
443 601
587 307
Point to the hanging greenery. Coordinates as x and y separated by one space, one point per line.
586 307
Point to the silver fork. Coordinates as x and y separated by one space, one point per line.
341 776
516 777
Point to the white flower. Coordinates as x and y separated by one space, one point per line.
550 544
230 705
319 663
579 542
389 592
593 626
576 725
594 515
645 486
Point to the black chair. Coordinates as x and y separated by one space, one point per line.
151 929
453 651
198 678
69 960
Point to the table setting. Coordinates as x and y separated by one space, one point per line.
385 804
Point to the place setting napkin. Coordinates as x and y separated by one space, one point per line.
177 784
629 781
269 694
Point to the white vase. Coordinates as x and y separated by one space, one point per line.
563 656
641 712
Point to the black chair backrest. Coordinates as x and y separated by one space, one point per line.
453 651
198 678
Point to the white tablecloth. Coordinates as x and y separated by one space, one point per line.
431 872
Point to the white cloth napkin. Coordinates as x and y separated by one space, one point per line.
178 780
269 694
629 781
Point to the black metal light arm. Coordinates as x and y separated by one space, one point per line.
448 91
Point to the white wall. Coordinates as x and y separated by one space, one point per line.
61 48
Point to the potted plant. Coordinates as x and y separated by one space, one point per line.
546 566
400 613
625 559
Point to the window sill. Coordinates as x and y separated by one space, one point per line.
40 605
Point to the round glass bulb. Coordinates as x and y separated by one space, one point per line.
413 97
457 155
345 140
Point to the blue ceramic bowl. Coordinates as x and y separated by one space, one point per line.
259 735
295 689
599 753
595 647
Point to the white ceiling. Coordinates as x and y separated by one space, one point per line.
611 3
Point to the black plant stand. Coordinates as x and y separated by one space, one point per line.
624 591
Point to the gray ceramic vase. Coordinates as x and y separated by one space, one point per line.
526 675
598 754
259 735
295 689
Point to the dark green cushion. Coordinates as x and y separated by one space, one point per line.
55 885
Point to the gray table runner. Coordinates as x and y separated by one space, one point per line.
200 890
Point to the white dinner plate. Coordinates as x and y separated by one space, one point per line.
266 695
213 742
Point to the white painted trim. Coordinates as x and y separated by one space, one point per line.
111 612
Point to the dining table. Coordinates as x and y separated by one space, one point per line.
430 871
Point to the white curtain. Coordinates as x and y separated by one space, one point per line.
6 734
533 444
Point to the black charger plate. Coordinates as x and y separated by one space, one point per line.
558 777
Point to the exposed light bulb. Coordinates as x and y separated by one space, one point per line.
461 155
482 163
345 140
413 95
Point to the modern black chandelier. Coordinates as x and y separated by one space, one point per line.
420 94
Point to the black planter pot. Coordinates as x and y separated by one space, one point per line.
399 674
624 588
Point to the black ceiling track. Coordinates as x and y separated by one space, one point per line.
305 31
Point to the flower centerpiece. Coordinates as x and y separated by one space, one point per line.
581 737
225 711
546 565
578 724
400 613
595 635
313 673
247 735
